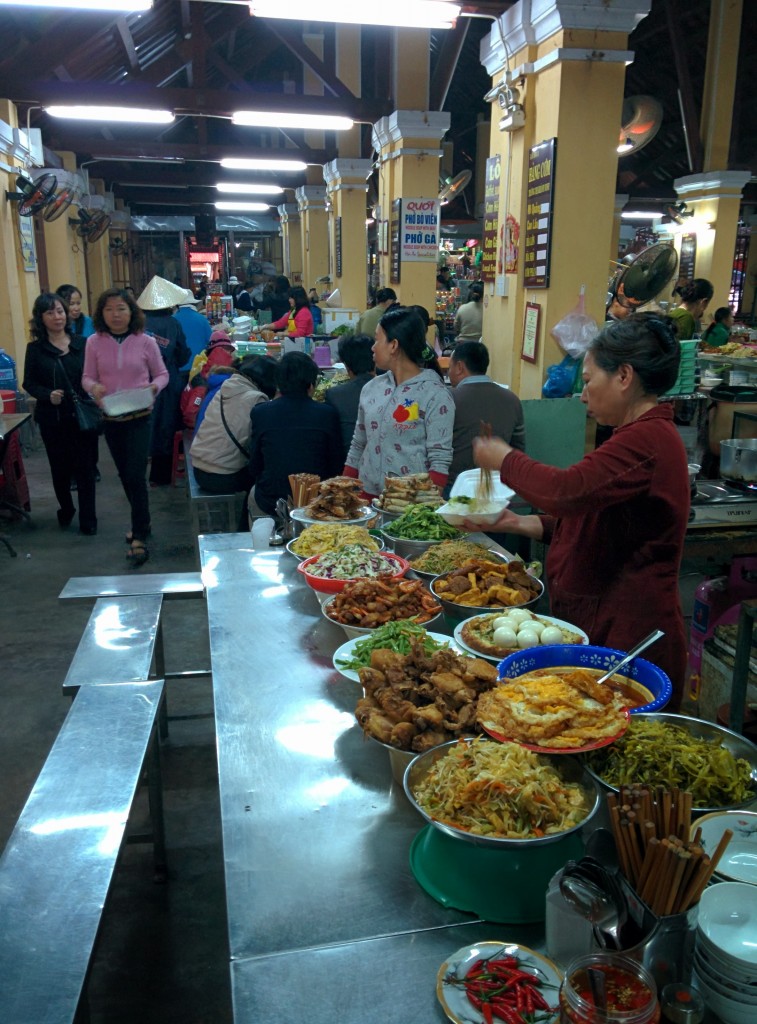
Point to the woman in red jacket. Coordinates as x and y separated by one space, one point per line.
299 320
615 522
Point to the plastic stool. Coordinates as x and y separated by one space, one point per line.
179 463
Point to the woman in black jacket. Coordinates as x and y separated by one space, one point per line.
52 370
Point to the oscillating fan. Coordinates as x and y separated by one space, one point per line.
58 203
33 196
91 226
641 278
451 187
639 123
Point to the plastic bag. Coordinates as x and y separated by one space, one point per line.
576 331
560 378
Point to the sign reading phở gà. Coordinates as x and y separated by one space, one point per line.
419 230
537 238
491 219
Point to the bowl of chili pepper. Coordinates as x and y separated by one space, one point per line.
494 981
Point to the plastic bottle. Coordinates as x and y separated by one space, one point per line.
8 380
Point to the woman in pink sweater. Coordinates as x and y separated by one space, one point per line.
299 320
119 357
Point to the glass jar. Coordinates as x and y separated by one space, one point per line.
630 992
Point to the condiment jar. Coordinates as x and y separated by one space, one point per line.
681 1004
630 994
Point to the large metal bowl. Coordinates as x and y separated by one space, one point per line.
458 612
406 548
738 745
496 556
570 769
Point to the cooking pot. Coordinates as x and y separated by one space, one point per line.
738 459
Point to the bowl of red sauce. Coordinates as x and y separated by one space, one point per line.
630 993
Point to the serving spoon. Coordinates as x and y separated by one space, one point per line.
653 637
595 905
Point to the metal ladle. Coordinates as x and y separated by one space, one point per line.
647 642
595 905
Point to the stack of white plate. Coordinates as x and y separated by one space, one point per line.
725 958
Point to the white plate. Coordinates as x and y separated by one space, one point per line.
728 918
347 650
739 861
301 558
298 514
550 620
466 484
452 995
121 403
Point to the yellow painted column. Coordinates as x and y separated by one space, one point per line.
311 201
570 78
720 81
291 241
64 252
97 254
349 71
409 146
715 199
620 202
19 282
346 189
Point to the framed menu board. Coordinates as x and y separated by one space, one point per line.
530 332
688 257
491 219
537 239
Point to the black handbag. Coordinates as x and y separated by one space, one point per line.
89 417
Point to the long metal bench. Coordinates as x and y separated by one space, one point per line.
200 499
56 871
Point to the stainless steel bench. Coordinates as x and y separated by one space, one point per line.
200 499
56 871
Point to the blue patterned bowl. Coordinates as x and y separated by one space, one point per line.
641 671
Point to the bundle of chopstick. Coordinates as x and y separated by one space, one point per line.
668 870
304 487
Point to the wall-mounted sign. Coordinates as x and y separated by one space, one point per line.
419 230
537 241
688 257
28 253
491 219
530 332
394 242
338 245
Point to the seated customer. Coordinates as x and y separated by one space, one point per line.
477 398
292 434
356 352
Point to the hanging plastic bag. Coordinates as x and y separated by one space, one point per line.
576 331
561 378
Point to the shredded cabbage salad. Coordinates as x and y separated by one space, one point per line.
350 563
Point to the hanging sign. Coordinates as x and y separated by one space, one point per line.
394 242
491 219
28 255
688 257
530 332
338 245
419 230
537 239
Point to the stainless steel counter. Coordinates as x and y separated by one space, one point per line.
316 834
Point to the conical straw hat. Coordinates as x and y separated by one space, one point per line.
161 294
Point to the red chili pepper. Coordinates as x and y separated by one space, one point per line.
508 1014
529 999
539 1001
521 999
488 1013
507 961
474 1000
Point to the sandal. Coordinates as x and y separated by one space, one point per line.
137 553
129 538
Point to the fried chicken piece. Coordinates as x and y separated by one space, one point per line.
371 679
403 735
395 706
427 740
374 724
479 671
428 717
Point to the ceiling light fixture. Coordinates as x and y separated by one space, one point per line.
249 190
267 119
245 207
234 163
395 13
84 5
641 214
133 115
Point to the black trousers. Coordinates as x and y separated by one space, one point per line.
72 455
129 442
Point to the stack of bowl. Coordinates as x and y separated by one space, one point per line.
725 958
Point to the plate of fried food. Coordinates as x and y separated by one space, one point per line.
365 604
402 491
481 583
416 701
568 713
398 637
338 500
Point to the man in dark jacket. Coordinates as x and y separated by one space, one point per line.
356 352
291 434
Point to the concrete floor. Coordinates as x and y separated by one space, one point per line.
162 955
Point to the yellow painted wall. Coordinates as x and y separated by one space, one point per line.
64 251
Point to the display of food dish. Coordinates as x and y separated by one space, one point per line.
418 700
329 573
356 653
420 523
364 604
467 503
496 794
495 636
566 712
739 861
322 537
448 555
480 583
338 500
364 514
717 766
457 978
402 491
646 686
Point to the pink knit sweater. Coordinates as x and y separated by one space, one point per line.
134 363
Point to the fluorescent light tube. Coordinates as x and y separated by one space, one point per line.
246 207
641 215
84 5
233 163
395 13
134 115
249 190
264 119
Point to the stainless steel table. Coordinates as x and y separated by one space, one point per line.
325 918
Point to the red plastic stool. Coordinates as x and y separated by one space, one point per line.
179 463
